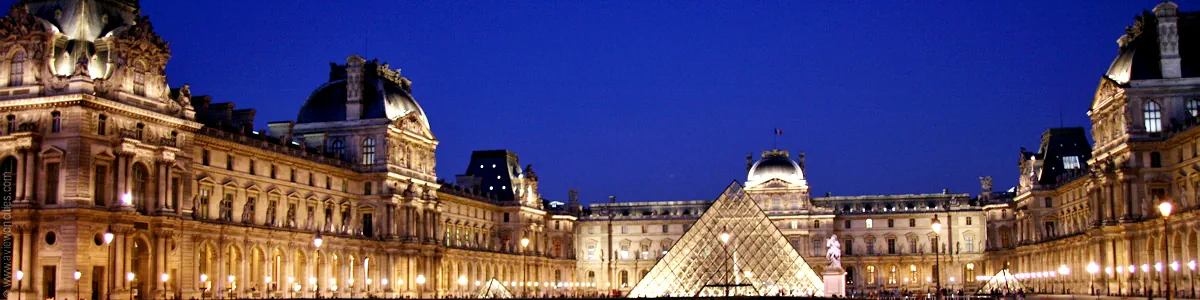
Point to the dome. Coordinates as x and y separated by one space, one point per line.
775 165
1138 52
385 95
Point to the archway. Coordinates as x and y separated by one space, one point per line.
140 267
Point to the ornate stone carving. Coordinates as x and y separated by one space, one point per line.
19 22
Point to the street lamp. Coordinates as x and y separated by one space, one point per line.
1192 266
1092 269
1165 209
1145 278
317 241
129 278
203 285
524 269
937 233
462 285
1063 270
232 285
20 275
420 283
77 275
108 238
164 277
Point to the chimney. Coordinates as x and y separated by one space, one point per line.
354 86
1167 14
749 161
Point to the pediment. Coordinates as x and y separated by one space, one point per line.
52 151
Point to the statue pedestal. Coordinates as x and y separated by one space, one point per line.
835 282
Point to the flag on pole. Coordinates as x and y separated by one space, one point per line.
778 131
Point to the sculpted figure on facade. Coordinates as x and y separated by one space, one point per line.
833 252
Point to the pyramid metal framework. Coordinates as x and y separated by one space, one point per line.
756 260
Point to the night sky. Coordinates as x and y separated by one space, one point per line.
662 100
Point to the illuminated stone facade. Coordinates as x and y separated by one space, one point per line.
94 141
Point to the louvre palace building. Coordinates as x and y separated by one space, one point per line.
117 185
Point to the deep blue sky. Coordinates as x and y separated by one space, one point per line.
662 100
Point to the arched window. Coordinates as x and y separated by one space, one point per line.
339 149
850 275
624 278
1193 107
368 151
141 185
16 71
1152 114
139 79
591 277
870 275
969 272
914 277
892 275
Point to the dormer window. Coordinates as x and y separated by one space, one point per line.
16 71
139 79
1071 163
339 149
368 152
1152 114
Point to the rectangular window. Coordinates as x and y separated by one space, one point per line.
968 221
272 171
665 228
869 223
55 121
624 229
591 229
173 198
912 222
891 223
367 188
816 223
848 247
591 252
506 218
101 123
99 185
847 224
202 208
1049 202
643 228
271 212
1071 162
204 156
229 162
891 244
912 245
1155 160
52 183
251 171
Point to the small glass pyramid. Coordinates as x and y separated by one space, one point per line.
732 250
493 289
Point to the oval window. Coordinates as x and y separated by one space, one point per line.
50 238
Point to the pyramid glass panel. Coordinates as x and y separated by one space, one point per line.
493 289
732 250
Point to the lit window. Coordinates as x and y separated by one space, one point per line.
55 121
1193 107
1071 162
869 223
1153 117
339 148
368 154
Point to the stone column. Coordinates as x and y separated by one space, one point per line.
164 187
122 169
30 175
20 175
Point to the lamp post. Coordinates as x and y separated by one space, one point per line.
291 285
20 275
937 264
1165 209
1145 279
129 278
1092 269
524 269
76 276
203 285
1063 271
420 283
724 237
1192 273
384 285
108 238
266 286
317 241
232 286
164 277
462 286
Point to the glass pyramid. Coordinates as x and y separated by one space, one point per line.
732 250
493 289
